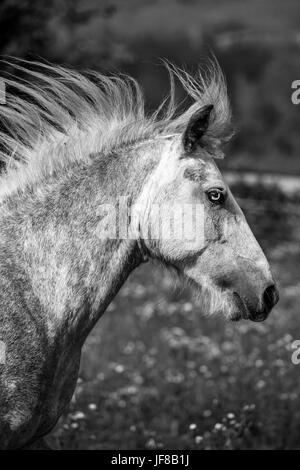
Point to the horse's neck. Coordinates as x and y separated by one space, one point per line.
74 273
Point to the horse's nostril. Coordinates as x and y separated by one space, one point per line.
270 297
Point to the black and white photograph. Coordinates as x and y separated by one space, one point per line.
149 228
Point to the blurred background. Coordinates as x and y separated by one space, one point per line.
155 372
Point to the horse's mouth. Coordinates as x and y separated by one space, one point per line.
246 312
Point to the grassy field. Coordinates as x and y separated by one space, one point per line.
157 374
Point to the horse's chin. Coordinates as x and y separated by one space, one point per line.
223 302
239 309
242 311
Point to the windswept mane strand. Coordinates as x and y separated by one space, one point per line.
54 115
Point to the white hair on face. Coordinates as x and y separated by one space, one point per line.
213 300
54 116
208 296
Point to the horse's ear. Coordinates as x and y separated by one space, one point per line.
196 128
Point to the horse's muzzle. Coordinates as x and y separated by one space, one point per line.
270 297
269 300
260 311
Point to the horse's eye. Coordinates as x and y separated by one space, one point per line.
216 195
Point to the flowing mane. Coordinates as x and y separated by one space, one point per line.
54 116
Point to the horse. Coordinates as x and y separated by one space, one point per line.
74 143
